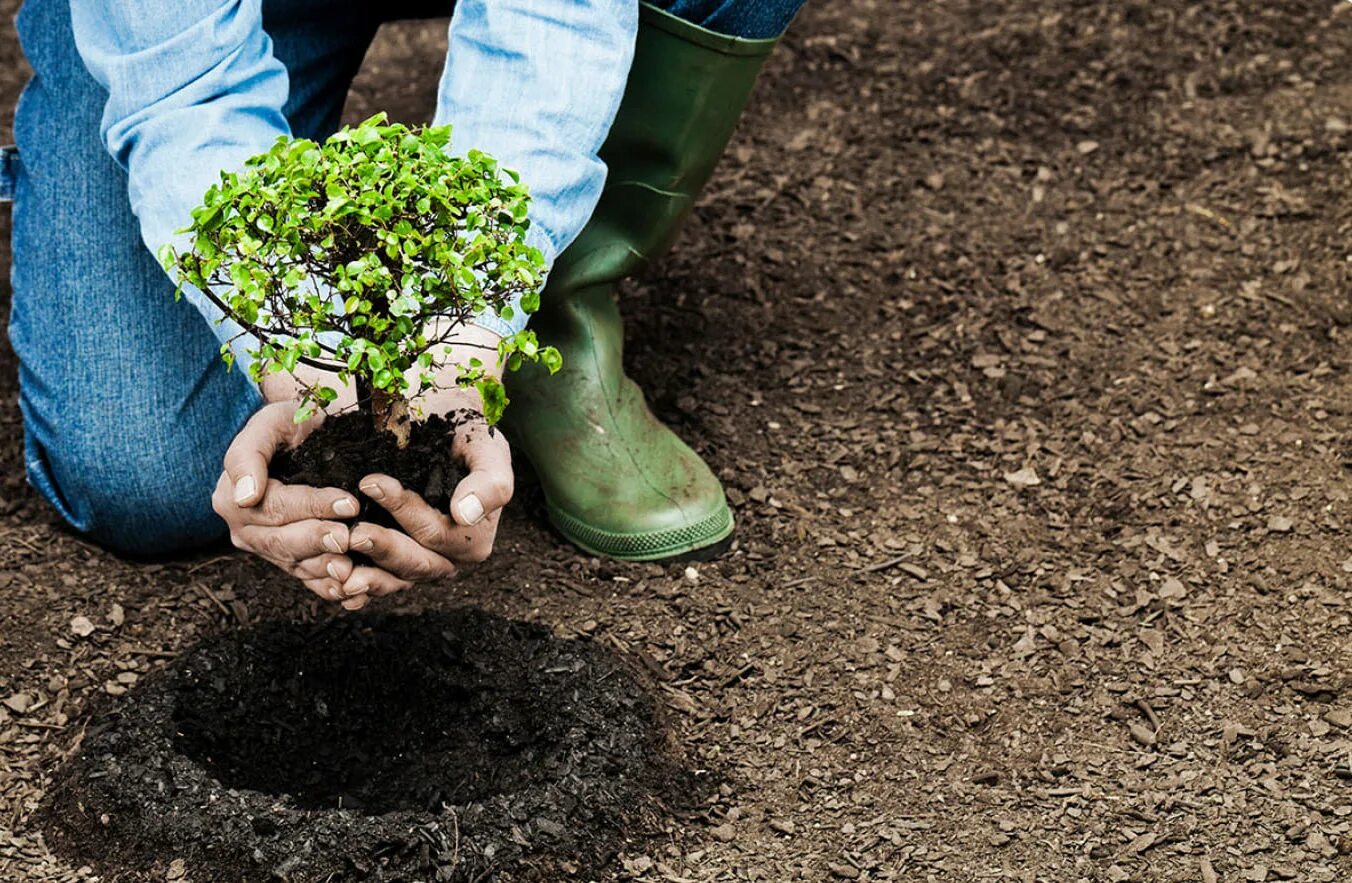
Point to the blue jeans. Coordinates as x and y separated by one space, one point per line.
748 19
127 408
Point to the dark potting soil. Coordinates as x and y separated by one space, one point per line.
443 746
345 449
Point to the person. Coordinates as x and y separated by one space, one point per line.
133 109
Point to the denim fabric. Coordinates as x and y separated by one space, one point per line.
195 87
9 172
127 409
748 19
536 84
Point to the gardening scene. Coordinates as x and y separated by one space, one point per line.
675 441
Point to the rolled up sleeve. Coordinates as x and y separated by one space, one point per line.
536 84
193 90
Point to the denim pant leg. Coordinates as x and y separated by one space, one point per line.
748 19
127 407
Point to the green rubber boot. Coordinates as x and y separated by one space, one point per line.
618 483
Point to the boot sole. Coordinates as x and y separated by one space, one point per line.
702 541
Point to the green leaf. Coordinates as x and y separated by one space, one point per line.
371 237
551 359
494 398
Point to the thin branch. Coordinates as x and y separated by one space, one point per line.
257 331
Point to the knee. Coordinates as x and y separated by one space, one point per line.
137 494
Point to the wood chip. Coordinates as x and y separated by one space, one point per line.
19 702
1142 735
1024 478
1142 843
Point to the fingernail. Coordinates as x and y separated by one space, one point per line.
331 543
471 510
244 489
333 570
373 490
362 543
354 603
353 591
345 508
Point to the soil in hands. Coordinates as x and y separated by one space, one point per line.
346 448
444 746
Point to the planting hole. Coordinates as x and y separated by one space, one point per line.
445 746
351 720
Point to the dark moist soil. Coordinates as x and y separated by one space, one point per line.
345 449
443 746
1019 334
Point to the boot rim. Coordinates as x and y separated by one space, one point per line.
740 47
654 545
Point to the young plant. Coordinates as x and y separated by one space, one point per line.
364 257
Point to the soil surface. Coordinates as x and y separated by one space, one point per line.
1019 333
438 746
345 449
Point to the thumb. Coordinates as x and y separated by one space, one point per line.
489 485
246 460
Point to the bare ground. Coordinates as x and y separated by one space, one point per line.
1020 334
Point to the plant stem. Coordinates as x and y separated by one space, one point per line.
385 412
390 414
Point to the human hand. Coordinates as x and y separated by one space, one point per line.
287 525
434 544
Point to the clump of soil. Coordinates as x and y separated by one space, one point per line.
444 746
345 449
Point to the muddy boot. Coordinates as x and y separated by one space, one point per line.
617 482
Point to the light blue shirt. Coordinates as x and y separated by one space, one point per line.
194 89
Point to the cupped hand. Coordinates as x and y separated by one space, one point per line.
434 544
288 525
